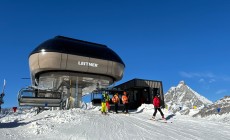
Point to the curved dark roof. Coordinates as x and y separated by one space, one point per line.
67 45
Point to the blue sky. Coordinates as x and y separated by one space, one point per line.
158 40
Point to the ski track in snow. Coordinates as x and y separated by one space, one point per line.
79 124
172 131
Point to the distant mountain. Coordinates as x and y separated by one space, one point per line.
223 104
182 97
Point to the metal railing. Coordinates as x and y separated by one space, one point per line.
39 98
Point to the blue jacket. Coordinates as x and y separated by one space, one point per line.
104 97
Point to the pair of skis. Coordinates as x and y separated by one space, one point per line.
159 120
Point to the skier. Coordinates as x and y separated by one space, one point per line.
104 97
1 100
157 105
2 95
115 100
125 102
107 99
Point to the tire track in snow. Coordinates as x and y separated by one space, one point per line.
97 125
201 130
138 133
174 131
153 129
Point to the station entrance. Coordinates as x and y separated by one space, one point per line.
139 92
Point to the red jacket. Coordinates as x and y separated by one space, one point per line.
156 102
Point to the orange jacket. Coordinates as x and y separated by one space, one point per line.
124 99
115 99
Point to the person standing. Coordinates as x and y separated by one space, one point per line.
107 99
115 100
157 105
103 103
125 102
1 100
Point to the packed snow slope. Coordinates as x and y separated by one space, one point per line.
90 124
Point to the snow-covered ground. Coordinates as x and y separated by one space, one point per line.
89 124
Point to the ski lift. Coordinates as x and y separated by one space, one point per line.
39 98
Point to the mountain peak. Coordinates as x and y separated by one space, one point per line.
184 96
181 84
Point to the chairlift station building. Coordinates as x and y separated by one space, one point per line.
61 68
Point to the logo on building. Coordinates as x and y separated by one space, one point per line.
87 64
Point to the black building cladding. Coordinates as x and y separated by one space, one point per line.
68 45
142 91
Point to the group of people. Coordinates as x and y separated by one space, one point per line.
105 105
